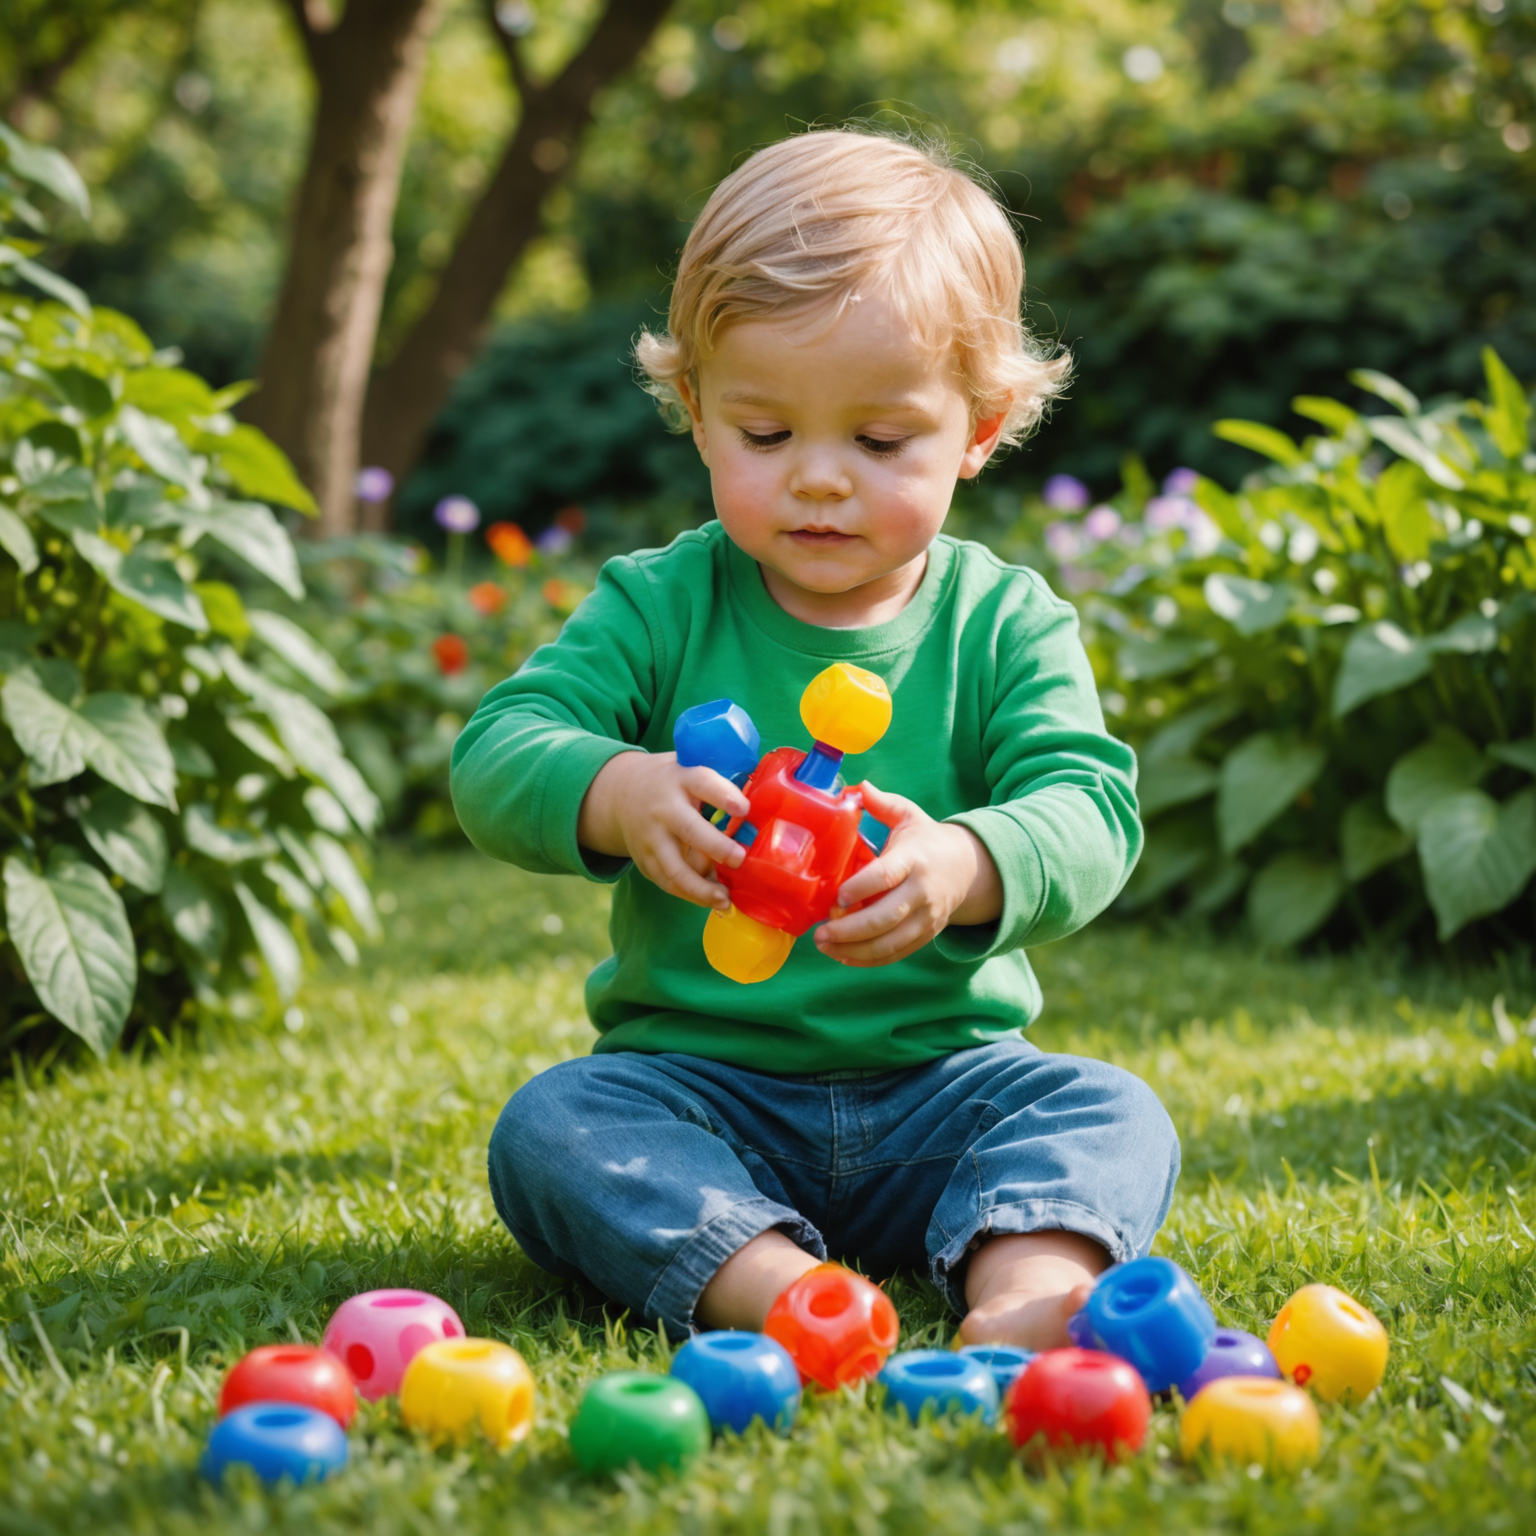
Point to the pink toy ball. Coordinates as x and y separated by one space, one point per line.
376 1335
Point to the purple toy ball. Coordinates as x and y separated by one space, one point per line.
1064 493
457 514
374 485
1232 1353
1080 1331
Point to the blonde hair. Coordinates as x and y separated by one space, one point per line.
819 217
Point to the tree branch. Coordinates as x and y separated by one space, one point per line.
516 66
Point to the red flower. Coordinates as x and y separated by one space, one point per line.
572 519
451 653
562 596
509 544
486 598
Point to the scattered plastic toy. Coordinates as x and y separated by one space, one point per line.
940 1380
276 1441
630 1417
741 1377
1326 1340
1232 1353
1151 1313
1003 1360
1079 1398
291 1373
837 1327
1252 1420
452 1387
805 834
376 1333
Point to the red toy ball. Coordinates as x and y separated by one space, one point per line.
837 1327
1080 1397
291 1373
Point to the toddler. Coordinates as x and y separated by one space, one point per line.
844 342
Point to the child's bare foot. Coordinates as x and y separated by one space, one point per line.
1023 1288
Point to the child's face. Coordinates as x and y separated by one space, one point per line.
833 447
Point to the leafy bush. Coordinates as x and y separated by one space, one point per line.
170 812
1330 675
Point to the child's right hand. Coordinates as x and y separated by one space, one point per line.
643 806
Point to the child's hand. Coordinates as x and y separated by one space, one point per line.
932 873
643 806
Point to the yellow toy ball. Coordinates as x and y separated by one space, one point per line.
1327 1341
846 707
453 1387
1250 1419
744 949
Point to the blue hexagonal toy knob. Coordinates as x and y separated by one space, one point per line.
1151 1313
718 735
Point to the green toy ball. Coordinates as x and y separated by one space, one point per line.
630 1417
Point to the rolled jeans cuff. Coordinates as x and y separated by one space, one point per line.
948 1265
693 1266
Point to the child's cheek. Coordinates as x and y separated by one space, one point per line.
745 486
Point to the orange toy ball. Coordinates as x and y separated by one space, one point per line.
837 1327
291 1373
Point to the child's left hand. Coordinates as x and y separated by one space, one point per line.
932 873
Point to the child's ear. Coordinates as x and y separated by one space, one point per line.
982 445
688 391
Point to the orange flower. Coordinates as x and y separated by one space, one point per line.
572 519
451 654
509 544
562 596
486 598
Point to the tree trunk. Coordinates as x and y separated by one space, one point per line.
407 394
314 375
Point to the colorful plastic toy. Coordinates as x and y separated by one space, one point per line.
652 1421
1232 1353
1325 1340
940 1380
454 1386
1151 1313
741 1377
276 1440
805 834
1077 1398
837 1327
1250 1420
375 1335
291 1373
1003 1360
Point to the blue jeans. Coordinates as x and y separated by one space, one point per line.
644 1173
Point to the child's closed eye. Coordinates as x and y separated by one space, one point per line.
882 447
762 441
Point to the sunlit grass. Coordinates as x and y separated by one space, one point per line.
1349 1120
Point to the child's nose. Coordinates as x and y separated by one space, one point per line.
819 477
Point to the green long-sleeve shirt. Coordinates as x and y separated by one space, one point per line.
996 726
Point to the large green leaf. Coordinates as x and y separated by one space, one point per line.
1379 658
227 845
1404 512
71 932
1143 660
1183 734
1400 437
1369 840
45 168
1444 765
1477 855
1261 439
1260 778
159 445
342 876
110 732
275 940
249 530
86 392
50 282
17 541
1518 754
1168 781
1250 607
146 573
304 654
1291 897
1386 388
256 466
1508 413
50 475
1175 848
129 838
195 912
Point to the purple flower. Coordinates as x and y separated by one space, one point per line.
1165 513
555 540
1064 493
1181 482
458 514
374 485
1102 523
1063 540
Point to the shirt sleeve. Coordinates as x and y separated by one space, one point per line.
1062 825
523 764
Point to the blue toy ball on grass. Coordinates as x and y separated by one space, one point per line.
950 1382
741 1377
1004 1361
276 1440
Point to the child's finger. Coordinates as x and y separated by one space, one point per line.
868 922
906 938
673 874
891 809
885 874
711 788
710 841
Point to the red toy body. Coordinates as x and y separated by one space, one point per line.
1080 1397
837 1327
804 844
291 1373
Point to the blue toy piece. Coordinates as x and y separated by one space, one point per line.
952 1383
741 1377
1080 1331
718 735
1232 1353
1151 1313
276 1440
1003 1360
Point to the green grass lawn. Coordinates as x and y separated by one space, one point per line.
1347 1121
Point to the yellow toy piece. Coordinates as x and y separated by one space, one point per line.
846 707
1252 1419
453 1387
1327 1341
744 949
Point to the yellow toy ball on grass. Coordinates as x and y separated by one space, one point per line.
846 707
1325 1340
1252 1419
455 1387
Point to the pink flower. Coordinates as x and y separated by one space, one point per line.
1102 523
1064 493
1181 482
1063 540
457 514
1165 513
